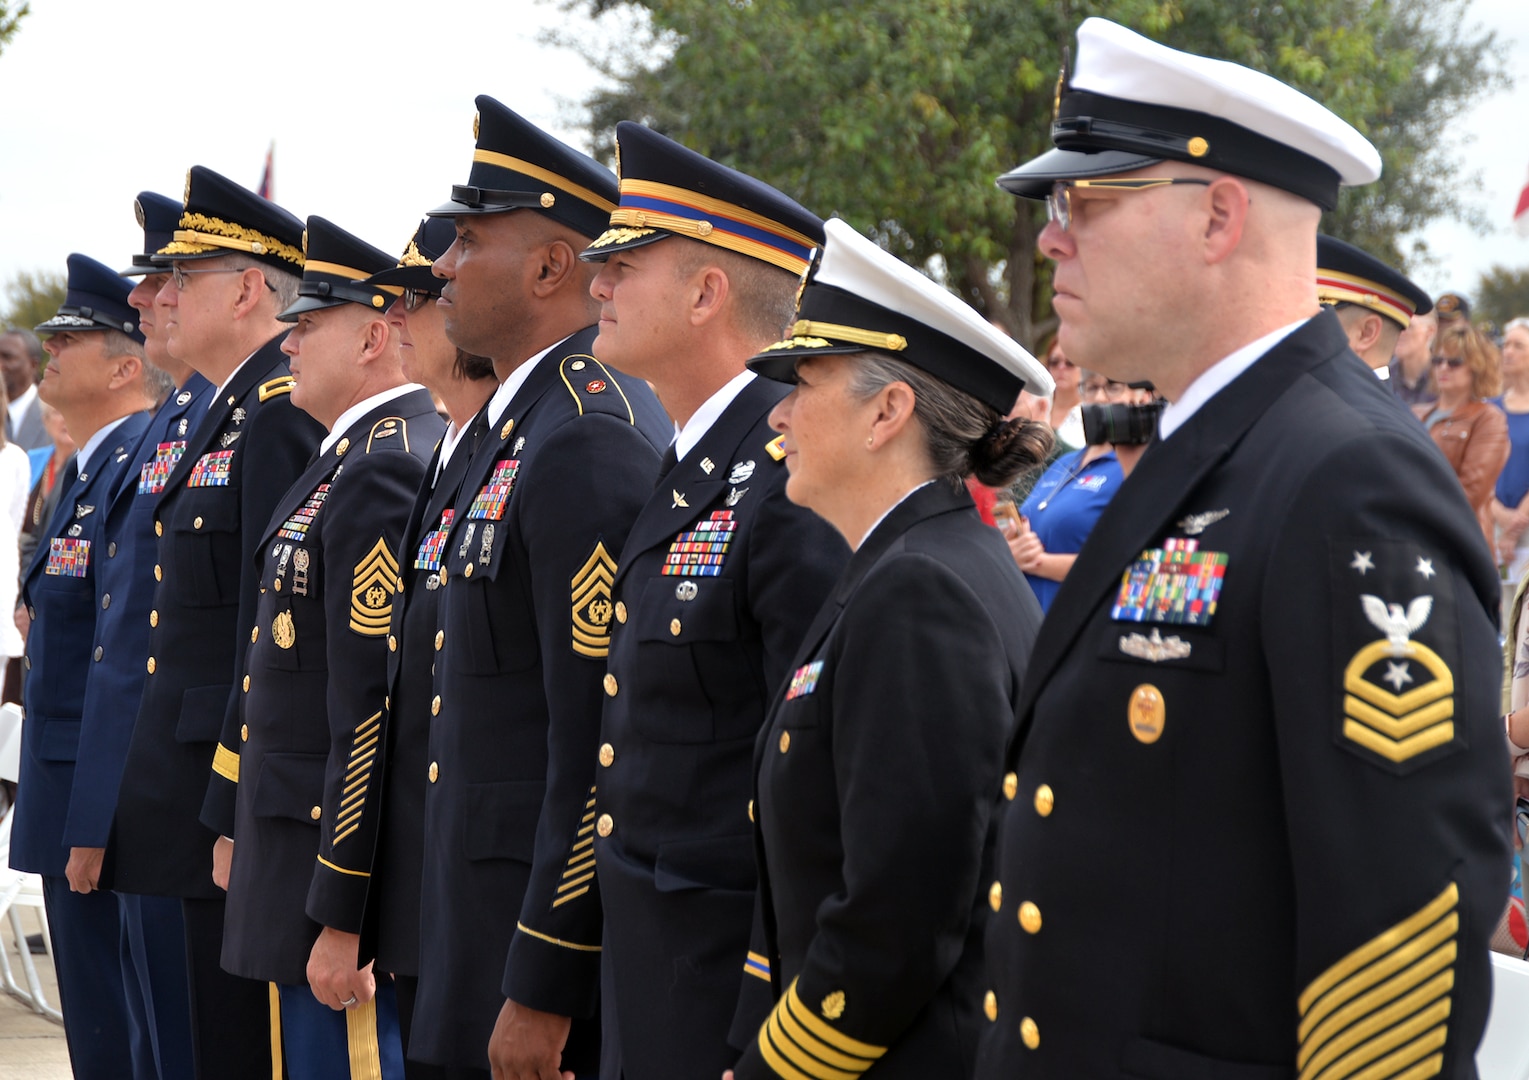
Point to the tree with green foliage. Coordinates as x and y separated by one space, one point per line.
33 297
897 115
1501 294
11 15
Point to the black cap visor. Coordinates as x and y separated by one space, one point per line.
1034 178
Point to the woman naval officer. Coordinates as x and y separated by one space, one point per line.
875 769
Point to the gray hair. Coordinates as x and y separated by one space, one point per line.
282 282
963 436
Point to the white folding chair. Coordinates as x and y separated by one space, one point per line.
17 889
1504 1050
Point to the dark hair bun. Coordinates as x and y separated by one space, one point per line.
1007 449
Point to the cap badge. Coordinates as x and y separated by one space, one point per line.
1198 147
547 200
138 213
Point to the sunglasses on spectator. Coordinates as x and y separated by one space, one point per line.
1111 389
1447 361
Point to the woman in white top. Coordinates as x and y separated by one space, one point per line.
15 483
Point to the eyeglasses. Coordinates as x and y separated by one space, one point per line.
179 276
414 299
1111 389
1059 202
1447 361
1060 362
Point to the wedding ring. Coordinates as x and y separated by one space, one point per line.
349 1002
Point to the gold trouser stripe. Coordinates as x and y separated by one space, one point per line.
276 1067
225 763
524 929
361 1031
1379 946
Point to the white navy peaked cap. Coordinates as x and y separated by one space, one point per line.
1131 102
858 298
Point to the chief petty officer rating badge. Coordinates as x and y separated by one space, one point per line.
1398 692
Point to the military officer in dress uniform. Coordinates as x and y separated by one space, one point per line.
1262 720
234 262
1373 301
312 693
721 576
874 821
153 930
395 803
96 379
510 935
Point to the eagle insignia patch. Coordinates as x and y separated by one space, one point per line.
1397 693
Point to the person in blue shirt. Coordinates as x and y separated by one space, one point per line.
1061 509
1510 499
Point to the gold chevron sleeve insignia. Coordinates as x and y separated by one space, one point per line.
1398 726
795 1042
358 778
580 870
592 604
1383 1010
371 593
276 387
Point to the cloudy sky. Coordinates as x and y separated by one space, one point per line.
370 107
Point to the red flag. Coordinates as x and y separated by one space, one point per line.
1521 213
267 177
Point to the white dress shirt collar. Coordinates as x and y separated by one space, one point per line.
1217 377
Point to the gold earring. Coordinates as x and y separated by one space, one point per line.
871 440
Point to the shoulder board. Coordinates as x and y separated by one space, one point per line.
276 387
593 387
776 448
387 428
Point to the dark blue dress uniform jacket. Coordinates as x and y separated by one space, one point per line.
392 824
313 688
1274 843
62 591
509 907
125 575
241 457
695 658
874 814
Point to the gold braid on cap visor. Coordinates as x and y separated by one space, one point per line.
199 234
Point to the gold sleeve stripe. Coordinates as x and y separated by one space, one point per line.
821 1035
580 867
524 929
757 966
1384 1007
561 900
575 883
799 1042
225 763
342 870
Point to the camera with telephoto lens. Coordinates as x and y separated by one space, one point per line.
1121 424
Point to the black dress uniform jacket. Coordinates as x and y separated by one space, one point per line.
1271 842
62 592
508 909
392 824
874 815
695 658
240 458
314 680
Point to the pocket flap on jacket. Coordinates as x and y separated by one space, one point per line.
709 614
502 817
290 786
201 718
712 862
